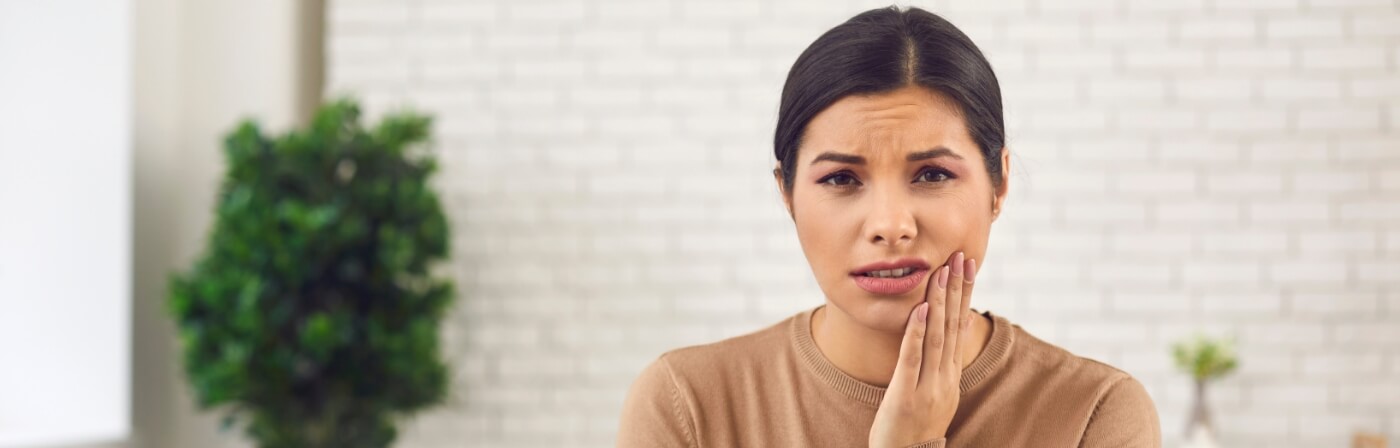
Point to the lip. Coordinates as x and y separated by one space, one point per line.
896 264
891 286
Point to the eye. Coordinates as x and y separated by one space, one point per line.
933 175
839 179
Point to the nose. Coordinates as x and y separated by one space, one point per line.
890 222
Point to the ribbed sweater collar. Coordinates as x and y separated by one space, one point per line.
988 361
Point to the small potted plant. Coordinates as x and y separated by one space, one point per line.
312 318
1205 359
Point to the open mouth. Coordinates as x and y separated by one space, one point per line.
893 282
890 273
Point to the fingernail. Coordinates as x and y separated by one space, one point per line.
957 264
943 278
971 269
922 313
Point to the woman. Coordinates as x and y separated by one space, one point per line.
892 164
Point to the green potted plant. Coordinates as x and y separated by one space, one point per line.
312 316
1205 359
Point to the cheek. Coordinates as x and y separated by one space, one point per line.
825 229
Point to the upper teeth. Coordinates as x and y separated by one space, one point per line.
890 272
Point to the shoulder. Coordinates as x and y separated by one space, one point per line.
666 397
1047 356
715 363
734 352
1121 411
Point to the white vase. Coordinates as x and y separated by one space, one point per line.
1200 432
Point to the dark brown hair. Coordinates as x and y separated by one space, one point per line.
882 50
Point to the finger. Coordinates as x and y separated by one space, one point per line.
965 329
936 297
911 351
953 316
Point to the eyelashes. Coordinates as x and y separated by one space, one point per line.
845 179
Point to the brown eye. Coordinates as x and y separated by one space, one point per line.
841 179
932 175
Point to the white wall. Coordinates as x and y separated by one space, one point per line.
65 242
199 68
1217 164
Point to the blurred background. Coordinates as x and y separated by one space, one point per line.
1223 167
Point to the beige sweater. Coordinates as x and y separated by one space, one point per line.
774 388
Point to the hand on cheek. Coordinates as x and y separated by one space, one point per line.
926 388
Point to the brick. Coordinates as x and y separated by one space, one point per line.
1289 395
1158 182
1050 182
1376 394
1165 58
1288 151
1130 31
1338 241
1206 274
1213 89
545 13
1375 25
1157 119
1113 150
1130 302
1304 27
1066 242
1206 151
1244 182
1083 120
1371 87
1247 120
1118 273
693 38
1293 89
1339 119
1351 57
1127 90
1236 59
1105 213
1197 212
1241 303
1157 243
1385 272
1373 210
1284 334
1343 304
1307 272
1151 7
1316 181
726 11
452 15
1295 211
1244 242
1218 29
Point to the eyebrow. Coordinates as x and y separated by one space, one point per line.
858 160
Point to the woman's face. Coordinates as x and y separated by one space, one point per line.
889 178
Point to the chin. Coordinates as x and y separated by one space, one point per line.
882 313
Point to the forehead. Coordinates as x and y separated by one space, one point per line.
911 118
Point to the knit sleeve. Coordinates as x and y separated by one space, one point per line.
654 414
1124 417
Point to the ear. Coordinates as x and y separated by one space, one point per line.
999 198
787 195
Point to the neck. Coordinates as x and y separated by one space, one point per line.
870 355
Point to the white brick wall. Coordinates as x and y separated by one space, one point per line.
1231 166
